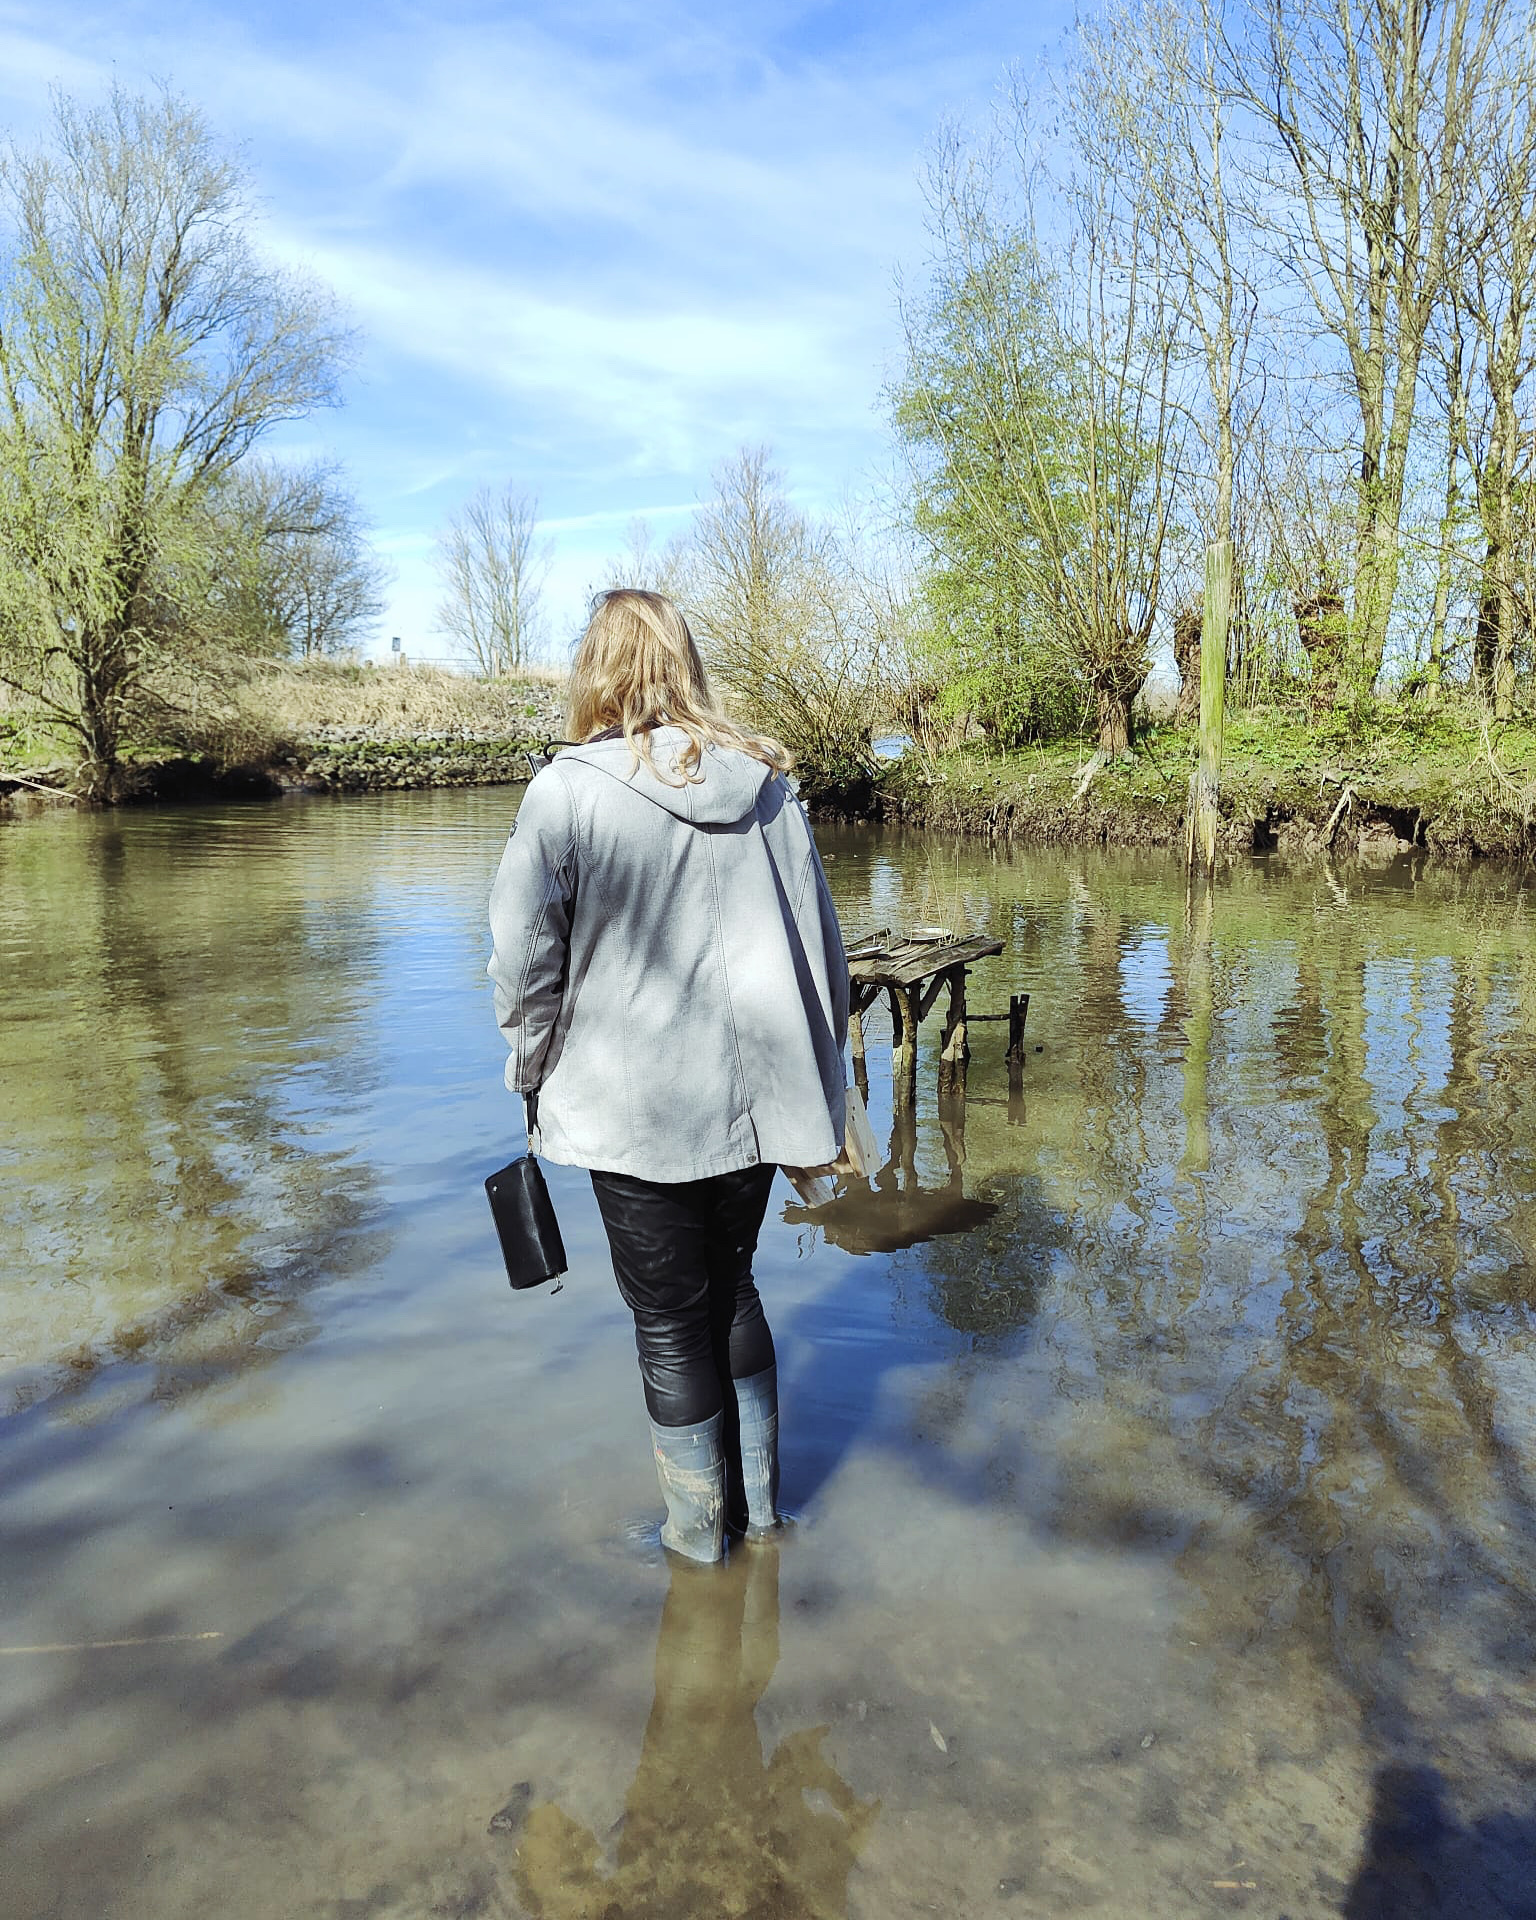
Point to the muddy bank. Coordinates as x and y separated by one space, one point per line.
363 764
352 763
316 726
1033 799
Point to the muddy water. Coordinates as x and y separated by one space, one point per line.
1163 1439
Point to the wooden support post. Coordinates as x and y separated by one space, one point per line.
906 1016
856 1039
1018 1014
954 1052
1205 782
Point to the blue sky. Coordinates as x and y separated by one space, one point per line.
589 248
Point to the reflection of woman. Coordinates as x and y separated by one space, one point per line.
671 981
710 1827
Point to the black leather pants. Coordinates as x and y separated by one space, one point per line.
682 1255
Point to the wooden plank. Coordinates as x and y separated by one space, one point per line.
907 967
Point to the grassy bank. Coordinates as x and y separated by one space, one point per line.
1438 782
329 726
1446 783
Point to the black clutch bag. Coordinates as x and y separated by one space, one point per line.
525 1223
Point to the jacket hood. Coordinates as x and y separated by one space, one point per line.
727 793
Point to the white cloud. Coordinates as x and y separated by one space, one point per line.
591 249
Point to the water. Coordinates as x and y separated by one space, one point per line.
1166 1522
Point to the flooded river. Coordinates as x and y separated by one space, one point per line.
1162 1440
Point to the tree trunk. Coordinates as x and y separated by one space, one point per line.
1115 690
1323 629
1451 514
1186 654
103 671
1494 645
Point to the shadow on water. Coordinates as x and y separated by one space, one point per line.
1422 1863
712 1824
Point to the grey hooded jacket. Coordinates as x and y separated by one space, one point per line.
668 968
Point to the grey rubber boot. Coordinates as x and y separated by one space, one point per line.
757 1400
690 1464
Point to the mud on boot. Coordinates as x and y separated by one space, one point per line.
690 1465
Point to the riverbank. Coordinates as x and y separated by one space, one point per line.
1442 784
318 726
1437 784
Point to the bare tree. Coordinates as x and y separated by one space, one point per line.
1149 77
646 562
492 567
785 623
144 350
1373 103
291 567
1497 290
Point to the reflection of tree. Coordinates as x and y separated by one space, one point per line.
180 1010
1366 1438
1293 1301
710 1826
987 1286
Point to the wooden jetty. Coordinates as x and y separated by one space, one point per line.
912 971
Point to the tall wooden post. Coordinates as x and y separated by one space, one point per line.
1018 1014
1205 782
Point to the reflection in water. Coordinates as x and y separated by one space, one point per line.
1190 1397
181 1031
892 1210
710 1826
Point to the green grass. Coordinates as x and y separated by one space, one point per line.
1442 779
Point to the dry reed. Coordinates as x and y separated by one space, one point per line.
322 697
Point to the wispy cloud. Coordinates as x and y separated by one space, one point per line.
591 248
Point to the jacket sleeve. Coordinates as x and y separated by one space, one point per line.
832 944
531 902
819 930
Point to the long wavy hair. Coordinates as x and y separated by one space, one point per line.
637 667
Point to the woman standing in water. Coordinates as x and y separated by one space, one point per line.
671 981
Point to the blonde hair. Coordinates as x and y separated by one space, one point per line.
637 667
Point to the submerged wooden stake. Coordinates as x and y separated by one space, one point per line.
1018 1014
1205 782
